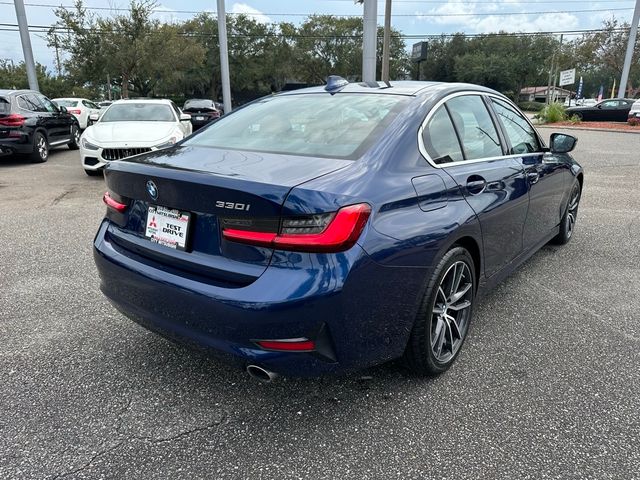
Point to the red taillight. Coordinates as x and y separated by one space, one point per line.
341 233
111 203
13 120
75 111
288 345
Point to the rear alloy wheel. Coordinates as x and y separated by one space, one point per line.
74 144
568 222
443 320
40 152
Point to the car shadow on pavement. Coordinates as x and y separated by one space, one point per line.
11 161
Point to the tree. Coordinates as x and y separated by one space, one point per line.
136 50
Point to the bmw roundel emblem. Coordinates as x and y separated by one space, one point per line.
152 189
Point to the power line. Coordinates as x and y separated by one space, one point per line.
11 27
428 14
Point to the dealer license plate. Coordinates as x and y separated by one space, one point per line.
167 226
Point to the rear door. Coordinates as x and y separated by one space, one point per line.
545 175
462 139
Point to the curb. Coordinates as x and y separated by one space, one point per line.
587 129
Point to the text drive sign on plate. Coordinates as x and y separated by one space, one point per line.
167 227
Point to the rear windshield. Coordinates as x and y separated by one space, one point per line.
66 103
5 106
138 112
199 104
319 125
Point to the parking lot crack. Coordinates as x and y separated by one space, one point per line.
87 464
589 311
59 198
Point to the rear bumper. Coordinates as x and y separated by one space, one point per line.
364 310
10 146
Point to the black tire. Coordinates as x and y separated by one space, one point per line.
74 144
568 221
421 354
40 152
93 173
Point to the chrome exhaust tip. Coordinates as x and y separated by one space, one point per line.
261 374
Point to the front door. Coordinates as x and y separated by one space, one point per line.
462 139
545 177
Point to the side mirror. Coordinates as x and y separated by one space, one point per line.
63 109
185 117
599 105
562 143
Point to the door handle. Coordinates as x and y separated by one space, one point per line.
533 176
476 184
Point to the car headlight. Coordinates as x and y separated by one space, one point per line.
171 141
89 145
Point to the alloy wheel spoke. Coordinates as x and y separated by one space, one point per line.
440 341
438 332
453 324
457 277
460 306
459 294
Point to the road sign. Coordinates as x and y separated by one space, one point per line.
567 77
419 51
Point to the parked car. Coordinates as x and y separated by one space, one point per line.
335 228
131 127
81 108
31 124
635 110
611 110
201 111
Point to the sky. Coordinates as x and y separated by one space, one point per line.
412 17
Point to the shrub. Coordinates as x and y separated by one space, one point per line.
554 112
574 119
531 106
634 121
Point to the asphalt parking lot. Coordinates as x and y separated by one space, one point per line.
547 385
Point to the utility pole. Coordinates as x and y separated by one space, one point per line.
26 45
58 65
369 40
552 75
633 31
385 42
556 71
224 57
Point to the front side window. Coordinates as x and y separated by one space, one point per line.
138 112
48 104
319 125
610 104
440 139
520 133
474 126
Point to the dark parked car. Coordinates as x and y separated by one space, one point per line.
611 110
30 124
336 227
201 111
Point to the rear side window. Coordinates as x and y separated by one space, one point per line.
440 139
28 102
521 135
319 125
474 126
5 105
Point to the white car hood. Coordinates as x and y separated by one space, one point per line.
130 133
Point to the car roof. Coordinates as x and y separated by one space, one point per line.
6 92
402 87
143 100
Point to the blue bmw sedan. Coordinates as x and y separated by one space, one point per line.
334 228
